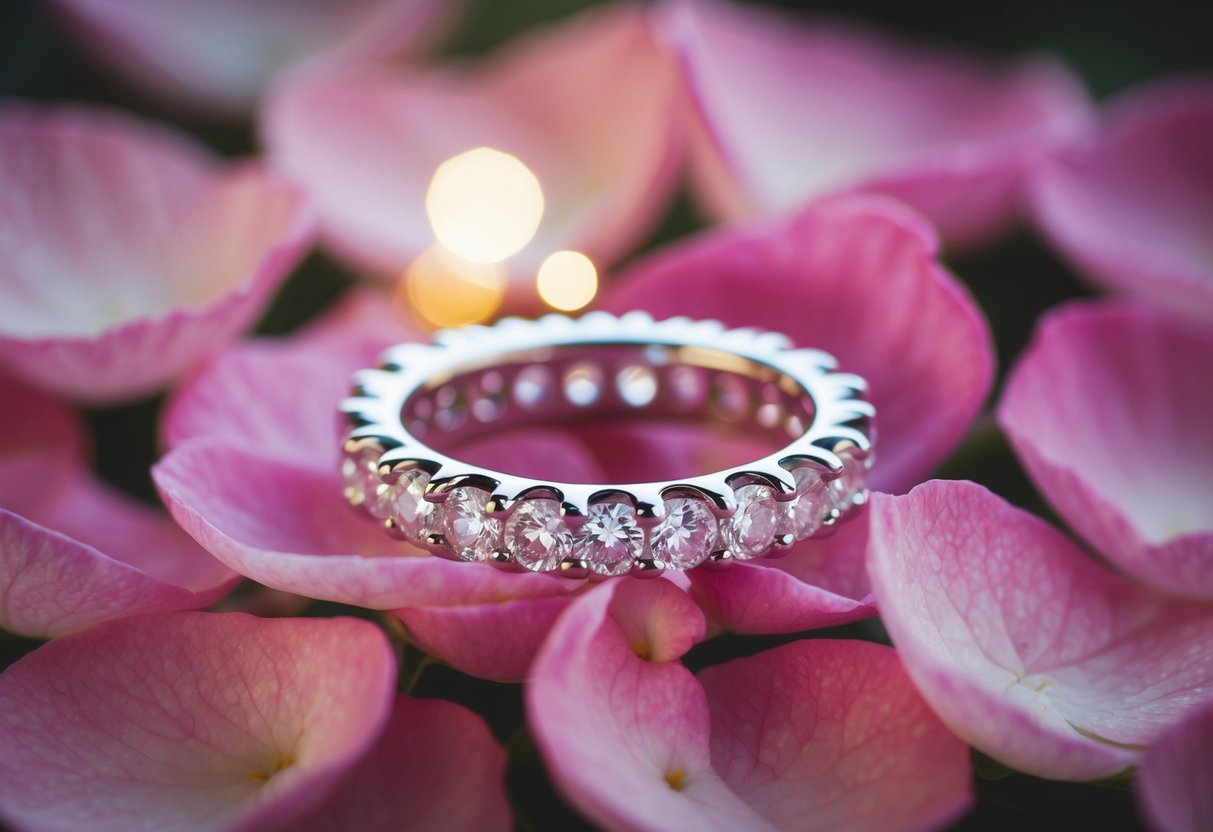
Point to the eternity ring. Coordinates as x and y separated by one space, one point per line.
476 380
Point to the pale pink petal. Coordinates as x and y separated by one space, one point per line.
217 56
52 583
127 255
436 767
833 735
858 277
1024 646
495 640
790 110
277 396
1132 207
88 554
363 317
1173 783
821 583
41 446
1109 411
625 738
189 721
588 105
281 394
287 526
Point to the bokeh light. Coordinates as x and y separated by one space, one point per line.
484 205
444 289
567 280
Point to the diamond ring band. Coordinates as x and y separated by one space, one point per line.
479 380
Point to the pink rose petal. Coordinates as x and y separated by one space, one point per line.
587 105
281 394
821 583
287 526
189 721
833 735
435 767
1025 647
857 277
625 739
818 735
1130 208
98 556
791 110
1109 412
552 452
217 57
279 397
131 255
495 640
648 450
1173 783
41 446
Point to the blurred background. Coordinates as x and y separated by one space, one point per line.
1111 46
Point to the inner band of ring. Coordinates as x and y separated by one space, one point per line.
425 398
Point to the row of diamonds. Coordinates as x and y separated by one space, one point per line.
610 541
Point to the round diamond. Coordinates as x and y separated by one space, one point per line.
536 537
469 530
751 529
806 510
360 477
840 493
407 506
685 536
610 540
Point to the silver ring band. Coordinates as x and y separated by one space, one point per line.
477 380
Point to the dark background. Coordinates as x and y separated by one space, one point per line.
1110 45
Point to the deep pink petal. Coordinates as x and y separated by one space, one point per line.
287 526
1109 411
1173 783
651 450
625 738
189 721
217 57
133 256
821 583
833 735
790 110
553 452
1131 207
436 767
857 277
41 446
588 105
496 640
1023 645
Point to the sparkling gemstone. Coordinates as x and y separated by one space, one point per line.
536 537
360 477
469 530
685 536
751 529
406 504
806 510
840 493
610 540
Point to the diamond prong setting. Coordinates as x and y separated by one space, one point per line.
462 511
